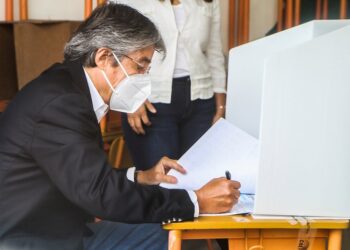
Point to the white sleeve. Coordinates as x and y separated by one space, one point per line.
130 175
193 198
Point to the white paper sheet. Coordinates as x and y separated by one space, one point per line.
223 147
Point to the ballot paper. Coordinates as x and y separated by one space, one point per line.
224 147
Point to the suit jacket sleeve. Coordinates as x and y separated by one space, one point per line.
66 146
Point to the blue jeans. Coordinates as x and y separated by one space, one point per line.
175 127
114 236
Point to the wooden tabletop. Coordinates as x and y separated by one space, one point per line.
247 222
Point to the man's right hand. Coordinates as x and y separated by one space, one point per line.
218 196
139 118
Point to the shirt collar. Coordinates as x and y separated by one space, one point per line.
100 107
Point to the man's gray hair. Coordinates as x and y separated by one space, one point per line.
118 27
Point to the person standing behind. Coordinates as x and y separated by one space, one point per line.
188 86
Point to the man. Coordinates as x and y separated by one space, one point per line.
54 175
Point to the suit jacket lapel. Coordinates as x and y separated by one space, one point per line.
187 11
77 72
79 79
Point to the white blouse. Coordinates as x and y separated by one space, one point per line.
201 47
181 68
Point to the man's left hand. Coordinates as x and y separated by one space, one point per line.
158 173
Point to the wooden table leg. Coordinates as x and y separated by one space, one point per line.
343 7
325 9
246 21
3 104
334 240
99 2
174 240
240 36
280 15
289 14
231 244
232 24
88 8
318 9
297 12
23 10
9 10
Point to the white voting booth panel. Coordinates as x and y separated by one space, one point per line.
304 165
246 70
302 87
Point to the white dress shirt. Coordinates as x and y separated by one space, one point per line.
101 109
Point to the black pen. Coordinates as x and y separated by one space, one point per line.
228 175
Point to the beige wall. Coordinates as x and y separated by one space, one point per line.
262 17
224 23
49 9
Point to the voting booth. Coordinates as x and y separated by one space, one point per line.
286 140
292 91
287 133
247 68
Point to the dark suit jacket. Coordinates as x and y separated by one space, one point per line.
54 174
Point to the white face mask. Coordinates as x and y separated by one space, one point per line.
130 93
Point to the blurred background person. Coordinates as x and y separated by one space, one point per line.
188 85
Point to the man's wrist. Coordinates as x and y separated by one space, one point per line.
136 175
194 199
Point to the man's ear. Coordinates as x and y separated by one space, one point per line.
102 58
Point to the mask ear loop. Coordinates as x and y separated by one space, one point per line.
107 80
106 77
121 65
